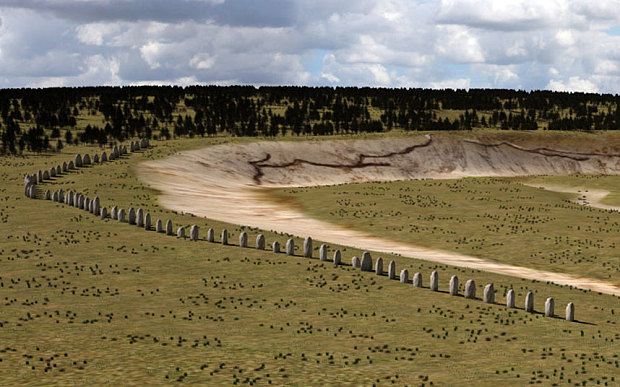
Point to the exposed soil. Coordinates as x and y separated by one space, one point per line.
228 182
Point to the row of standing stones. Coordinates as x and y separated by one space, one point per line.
142 219
31 181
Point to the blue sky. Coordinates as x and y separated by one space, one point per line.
519 44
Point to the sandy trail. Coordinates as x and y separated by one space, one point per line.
587 197
221 183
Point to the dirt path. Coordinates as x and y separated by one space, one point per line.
219 183
587 197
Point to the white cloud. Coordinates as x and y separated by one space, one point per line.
573 84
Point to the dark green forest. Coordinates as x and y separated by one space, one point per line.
38 120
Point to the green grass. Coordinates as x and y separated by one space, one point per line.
89 301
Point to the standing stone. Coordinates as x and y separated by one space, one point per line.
224 237
68 198
323 252
168 227
290 247
243 239
276 247
65 166
260 242
76 200
96 158
86 206
355 262
52 172
570 312
454 286
470 289
140 217
132 216
308 247
529 302
434 281
96 206
337 257
114 213
549 306
61 195
58 170
417 280
104 157
379 266
33 192
210 235
86 159
392 270
159 226
181 232
404 276
55 196
489 294
104 213
147 221
70 165
40 176
510 299
121 215
193 233
48 195
46 175
78 160
366 264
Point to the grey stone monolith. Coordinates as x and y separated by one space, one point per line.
355 262
510 299
489 294
308 247
54 196
104 157
121 215
323 252
48 195
70 165
404 275
434 284
529 302
58 170
417 280
131 216
104 212
392 270
470 289
243 239
260 242
78 160
224 237
379 266
114 213
337 257
46 175
454 285
549 307
181 232
570 312
96 206
210 235
76 200
159 226
86 206
96 158
275 247
65 166
33 191
366 262
290 247
40 176
147 221
168 227
53 172
193 233
86 159
140 217
115 152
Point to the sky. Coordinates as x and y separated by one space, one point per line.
514 44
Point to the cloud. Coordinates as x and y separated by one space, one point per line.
390 43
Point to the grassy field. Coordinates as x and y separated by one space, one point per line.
89 301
